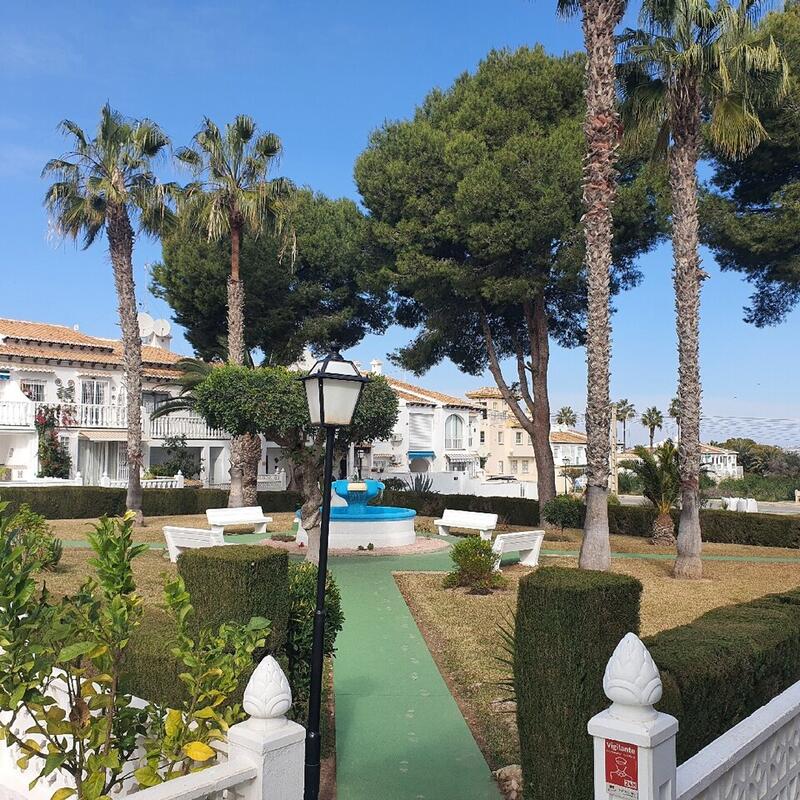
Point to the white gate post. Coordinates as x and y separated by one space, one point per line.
634 745
272 743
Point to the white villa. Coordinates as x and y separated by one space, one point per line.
435 432
42 364
717 462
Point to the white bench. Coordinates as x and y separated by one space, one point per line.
526 543
180 539
221 518
470 520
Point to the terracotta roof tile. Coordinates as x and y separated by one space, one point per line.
428 395
485 392
44 332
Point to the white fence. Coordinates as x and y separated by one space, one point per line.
274 482
76 481
462 483
175 482
262 758
192 426
634 745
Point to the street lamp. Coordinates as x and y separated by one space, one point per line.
333 387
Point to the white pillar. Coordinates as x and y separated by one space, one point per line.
272 743
179 480
634 745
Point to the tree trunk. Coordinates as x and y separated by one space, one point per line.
663 530
601 130
540 359
685 106
251 458
241 451
120 242
310 515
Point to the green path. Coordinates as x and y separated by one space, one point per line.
399 733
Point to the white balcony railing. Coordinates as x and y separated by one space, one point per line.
97 416
192 426
17 414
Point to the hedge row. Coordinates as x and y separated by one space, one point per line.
726 664
568 623
84 502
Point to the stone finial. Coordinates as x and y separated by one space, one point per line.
632 681
268 694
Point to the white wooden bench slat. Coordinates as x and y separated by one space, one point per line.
469 520
526 543
221 518
180 539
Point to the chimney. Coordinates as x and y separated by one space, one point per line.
376 366
76 327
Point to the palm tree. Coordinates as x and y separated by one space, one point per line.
691 61
675 412
233 195
659 475
567 417
652 418
102 184
602 130
625 411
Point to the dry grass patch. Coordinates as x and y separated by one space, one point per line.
463 633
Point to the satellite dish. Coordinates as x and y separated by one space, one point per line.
161 328
145 324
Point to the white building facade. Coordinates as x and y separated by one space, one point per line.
45 366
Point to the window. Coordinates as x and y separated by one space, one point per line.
518 437
454 433
494 405
525 465
483 437
557 452
514 464
34 390
93 392
499 437
500 466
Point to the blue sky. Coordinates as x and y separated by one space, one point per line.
322 76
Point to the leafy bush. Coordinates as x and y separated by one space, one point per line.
628 483
726 664
233 584
300 633
32 532
568 623
179 459
565 511
510 510
474 562
766 488
420 483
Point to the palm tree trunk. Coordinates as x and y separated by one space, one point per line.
120 243
683 157
601 129
241 467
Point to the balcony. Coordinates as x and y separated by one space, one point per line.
19 415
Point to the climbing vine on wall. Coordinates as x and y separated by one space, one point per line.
54 458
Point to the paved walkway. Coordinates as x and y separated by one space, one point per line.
399 733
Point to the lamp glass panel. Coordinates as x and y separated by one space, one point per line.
340 400
312 395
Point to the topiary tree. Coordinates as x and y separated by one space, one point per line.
271 401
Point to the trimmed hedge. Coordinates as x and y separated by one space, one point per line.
510 510
84 502
726 664
568 623
234 584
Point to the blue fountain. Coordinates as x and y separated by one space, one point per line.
355 524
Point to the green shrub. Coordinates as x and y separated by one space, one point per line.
764 488
509 510
565 511
36 537
234 584
726 664
628 483
631 520
302 600
474 562
86 502
568 623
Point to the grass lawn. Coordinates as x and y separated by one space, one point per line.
463 635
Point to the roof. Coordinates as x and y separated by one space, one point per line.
45 342
485 393
420 396
708 449
567 437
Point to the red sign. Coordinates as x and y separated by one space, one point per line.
622 770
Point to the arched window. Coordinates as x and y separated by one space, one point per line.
454 433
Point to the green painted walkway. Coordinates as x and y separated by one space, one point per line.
399 733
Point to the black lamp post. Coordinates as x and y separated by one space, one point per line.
333 387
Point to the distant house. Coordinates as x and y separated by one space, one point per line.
506 447
55 365
717 462
435 432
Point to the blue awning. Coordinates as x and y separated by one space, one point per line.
421 454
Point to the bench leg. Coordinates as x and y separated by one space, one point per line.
486 536
218 529
261 527
443 530
496 565
530 558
